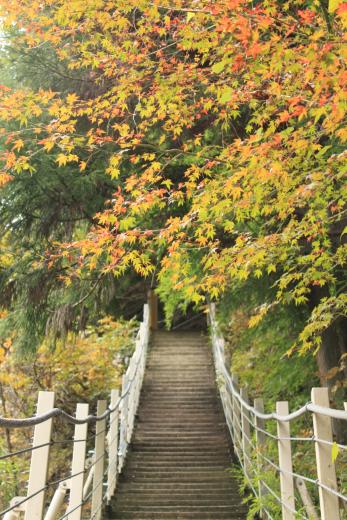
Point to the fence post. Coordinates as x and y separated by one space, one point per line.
123 424
57 501
322 428
131 398
227 403
99 463
260 442
285 463
113 446
246 434
78 463
39 459
236 418
306 499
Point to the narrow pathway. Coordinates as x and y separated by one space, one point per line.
180 458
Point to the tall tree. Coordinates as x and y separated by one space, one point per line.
224 125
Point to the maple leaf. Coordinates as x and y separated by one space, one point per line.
62 159
342 8
18 144
5 178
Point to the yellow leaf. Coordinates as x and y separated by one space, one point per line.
18 144
318 34
61 159
48 145
334 451
71 98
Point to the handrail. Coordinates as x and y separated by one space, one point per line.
243 418
27 422
308 407
121 414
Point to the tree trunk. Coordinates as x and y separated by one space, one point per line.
331 374
334 345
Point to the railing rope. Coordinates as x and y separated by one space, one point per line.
243 418
115 423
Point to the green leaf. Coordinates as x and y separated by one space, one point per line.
218 67
190 15
226 95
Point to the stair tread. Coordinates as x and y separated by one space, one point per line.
179 461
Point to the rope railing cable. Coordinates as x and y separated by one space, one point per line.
81 504
280 501
293 474
308 407
307 479
271 463
86 499
41 490
58 412
25 450
311 438
252 488
136 362
52 443
235 423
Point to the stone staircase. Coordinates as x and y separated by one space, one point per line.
180 458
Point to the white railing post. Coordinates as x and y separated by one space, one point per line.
78 464
99 463
236 417
15 514
133 377
285 463
123 424
306 499
88 481
39 459
260 442
57 501
326 473
246 434
11 515
227 407
113 446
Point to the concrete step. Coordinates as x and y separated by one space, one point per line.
178 465
175 497
148 458
188 475
179 512
124 501
227 485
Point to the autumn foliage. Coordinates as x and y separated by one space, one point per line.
223 126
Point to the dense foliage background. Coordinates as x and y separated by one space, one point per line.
196 147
